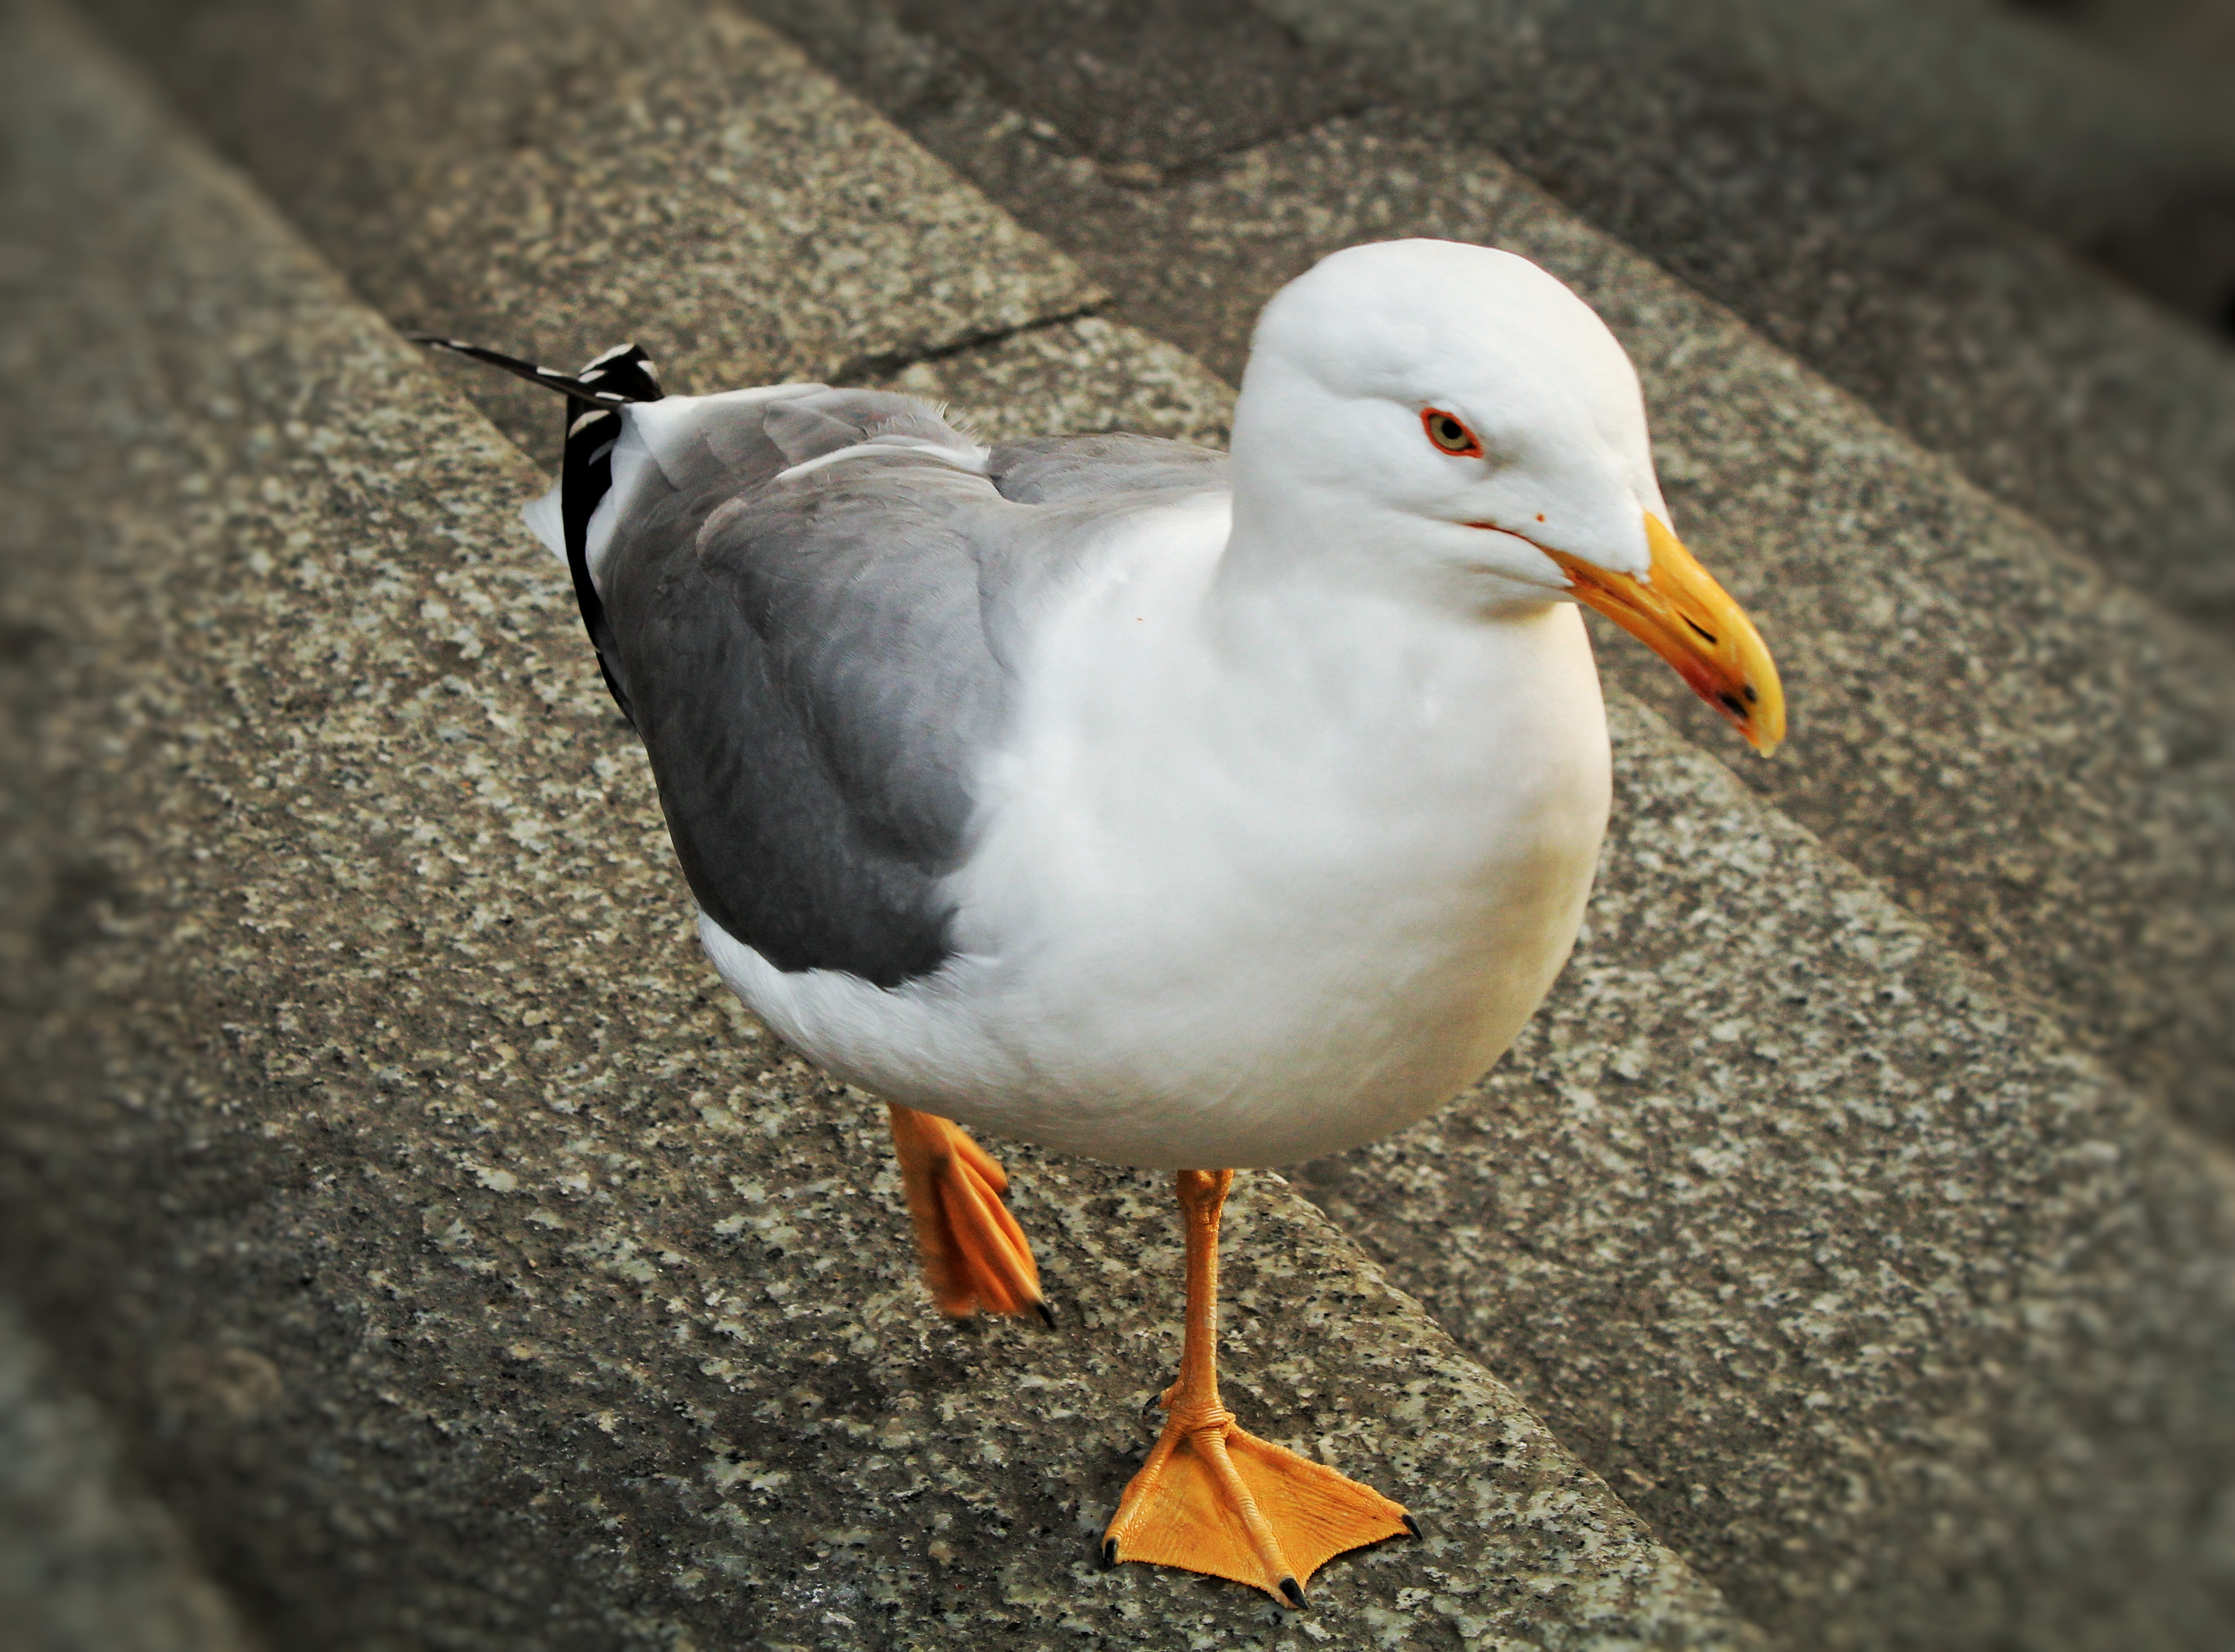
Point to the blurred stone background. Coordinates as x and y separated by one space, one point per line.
404 1243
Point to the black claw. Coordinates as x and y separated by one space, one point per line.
1046 1313
1294 1591
1412 1526
1110 1551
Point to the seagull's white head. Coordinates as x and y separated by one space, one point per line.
1455 418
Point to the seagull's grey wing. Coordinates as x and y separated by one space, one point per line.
809 669
817 662
1060 469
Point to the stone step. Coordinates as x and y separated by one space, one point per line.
2030 756
2123 1318
2133 168
2109 160
373 1129
2190 42
88 1562
545 151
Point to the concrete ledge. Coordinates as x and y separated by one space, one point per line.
457 1254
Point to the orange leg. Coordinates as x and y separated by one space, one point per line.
1212 1499
975 1257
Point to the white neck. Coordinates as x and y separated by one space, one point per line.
1269 699
1318 600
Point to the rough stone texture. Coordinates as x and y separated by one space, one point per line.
1209 78
555 176
87 1562
2030 756
2139 171
2084 149
2191 40
1934 1318
1084 376
463 1262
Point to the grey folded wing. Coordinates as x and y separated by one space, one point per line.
817 666
1113 472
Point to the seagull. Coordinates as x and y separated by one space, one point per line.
1189 810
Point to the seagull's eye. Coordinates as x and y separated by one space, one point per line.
1450 433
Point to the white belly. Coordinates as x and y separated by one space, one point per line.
1223 912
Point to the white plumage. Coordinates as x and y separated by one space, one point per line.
1099 795
1246 882
1295 819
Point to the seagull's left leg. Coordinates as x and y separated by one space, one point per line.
1212 1499
975 1254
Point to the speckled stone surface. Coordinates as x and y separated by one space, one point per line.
88 1562
2035 759
2192 41
1146 86
2020 1435
555 176
462 1262
2010 107
1084 376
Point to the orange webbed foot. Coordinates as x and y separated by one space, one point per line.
1214 1498
975 1257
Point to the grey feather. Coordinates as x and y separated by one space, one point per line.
1064 468
818 665
804 431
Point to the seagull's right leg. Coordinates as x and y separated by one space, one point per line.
1212 1499
975 1257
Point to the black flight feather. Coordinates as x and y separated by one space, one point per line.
622 374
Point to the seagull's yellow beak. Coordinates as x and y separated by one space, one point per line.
1679 612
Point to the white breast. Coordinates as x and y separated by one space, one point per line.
1248 884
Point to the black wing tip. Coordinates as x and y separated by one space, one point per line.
623 361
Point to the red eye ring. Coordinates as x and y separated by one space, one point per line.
1449 433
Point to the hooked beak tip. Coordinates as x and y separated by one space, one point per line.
1683 614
